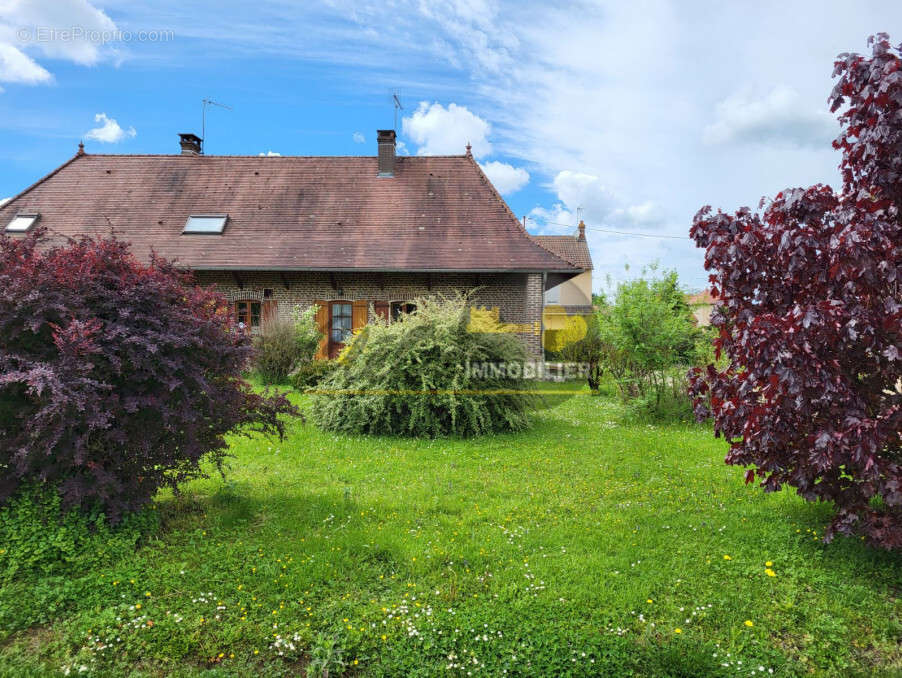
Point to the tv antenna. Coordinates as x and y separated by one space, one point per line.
398 107
203 120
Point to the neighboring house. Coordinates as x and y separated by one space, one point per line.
570 297
701 304
573 294
359 236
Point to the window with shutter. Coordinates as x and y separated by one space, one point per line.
248 314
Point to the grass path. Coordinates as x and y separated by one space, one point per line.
582 547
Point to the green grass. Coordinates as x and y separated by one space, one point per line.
577 548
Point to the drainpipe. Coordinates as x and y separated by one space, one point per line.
542 322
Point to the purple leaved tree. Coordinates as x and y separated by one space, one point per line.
809 293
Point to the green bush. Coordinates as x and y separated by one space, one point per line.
38 538
285 345
649 339
423 375
311 374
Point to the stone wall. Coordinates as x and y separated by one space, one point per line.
517 296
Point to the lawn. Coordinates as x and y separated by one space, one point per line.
586 546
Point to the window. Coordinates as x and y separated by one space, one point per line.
399 307
21 223
341 322
211 224
248 314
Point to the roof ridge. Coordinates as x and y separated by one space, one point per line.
571 239
260 157
79 154
510 212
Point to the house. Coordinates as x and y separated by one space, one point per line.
573 294
701 305
571 297
361 237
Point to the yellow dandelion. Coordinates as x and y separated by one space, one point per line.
256 651
147 593
768 564
137 606
749 623
649 601
726 557
678 630
769 572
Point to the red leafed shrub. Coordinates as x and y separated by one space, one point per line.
116 378
810 318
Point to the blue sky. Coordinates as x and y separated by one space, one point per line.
634 114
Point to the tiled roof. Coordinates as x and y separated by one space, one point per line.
701 298
567 247
437 213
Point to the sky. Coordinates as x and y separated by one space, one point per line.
630 115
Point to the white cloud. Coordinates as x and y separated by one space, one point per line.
16 66
780 116
358 138
109 131
446 131
506 178
71 30
270 154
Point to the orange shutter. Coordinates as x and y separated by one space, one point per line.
270 313
322 322
359 314
380 308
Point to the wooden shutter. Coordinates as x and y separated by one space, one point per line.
380 308
322 322
359 314
270 313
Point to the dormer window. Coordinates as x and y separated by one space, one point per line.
206 224
22 222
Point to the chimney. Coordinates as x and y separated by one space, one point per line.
191 144
582 230
386 141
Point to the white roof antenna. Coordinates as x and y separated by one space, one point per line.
398 107
203 121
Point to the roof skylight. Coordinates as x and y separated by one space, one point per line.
21 223
209 224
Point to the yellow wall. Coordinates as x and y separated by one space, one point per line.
576 291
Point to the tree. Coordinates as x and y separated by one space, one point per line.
589 351
647 331
809 318
116 378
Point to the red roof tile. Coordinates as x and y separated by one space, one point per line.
327 213
567 247
705 297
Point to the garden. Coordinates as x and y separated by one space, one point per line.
585 546
182 498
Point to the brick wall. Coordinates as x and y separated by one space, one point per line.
518 296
